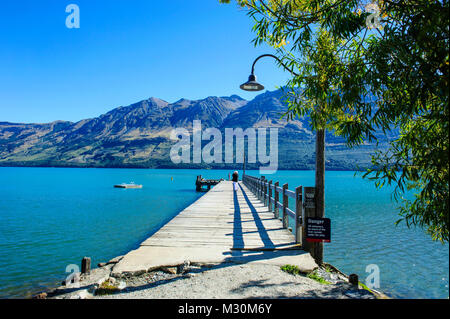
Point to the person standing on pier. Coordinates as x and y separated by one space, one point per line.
235 180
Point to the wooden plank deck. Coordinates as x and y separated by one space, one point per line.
221 223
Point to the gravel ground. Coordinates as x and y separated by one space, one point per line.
233 281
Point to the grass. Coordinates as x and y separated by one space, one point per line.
291 269
365 287
106 288
316 277
294 270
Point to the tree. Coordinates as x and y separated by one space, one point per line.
371 66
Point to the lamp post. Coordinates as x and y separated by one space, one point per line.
316 249
251 84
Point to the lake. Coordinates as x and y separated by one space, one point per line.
53 217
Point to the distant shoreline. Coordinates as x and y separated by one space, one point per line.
179 168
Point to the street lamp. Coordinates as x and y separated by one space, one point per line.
252 85
316 249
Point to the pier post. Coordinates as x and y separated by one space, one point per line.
298 214
270 196
353 279
285 205
265 192
263 196
277 199
261 188
198 184
86 265
258 187
258 183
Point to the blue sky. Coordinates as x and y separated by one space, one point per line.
123 52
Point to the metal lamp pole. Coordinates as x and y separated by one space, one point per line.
315 249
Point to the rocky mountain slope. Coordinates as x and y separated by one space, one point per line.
138 135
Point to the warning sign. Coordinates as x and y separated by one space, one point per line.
318 229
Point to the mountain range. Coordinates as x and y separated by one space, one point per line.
138 135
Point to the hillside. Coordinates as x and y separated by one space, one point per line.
138 135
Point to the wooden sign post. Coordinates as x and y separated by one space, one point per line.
298 214
315 248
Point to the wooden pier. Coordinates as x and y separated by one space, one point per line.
226 225
200 182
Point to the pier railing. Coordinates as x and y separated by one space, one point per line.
277 198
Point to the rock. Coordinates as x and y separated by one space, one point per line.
71 279
78 294
76 277
101 265
122 285
92 289
96 276
353 294
181 269
84 294
42 295
115 260
169 270
112 280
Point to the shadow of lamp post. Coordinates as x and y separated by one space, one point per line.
316 249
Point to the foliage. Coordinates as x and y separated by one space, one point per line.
327 268
291 269
316 277
365 287
365 66
294 270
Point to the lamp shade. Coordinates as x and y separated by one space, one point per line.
251 84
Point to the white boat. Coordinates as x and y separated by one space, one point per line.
130 185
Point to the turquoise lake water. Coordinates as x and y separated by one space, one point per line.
53 217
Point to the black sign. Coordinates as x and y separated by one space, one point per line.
318 229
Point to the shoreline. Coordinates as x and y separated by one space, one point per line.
182 168
226 280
